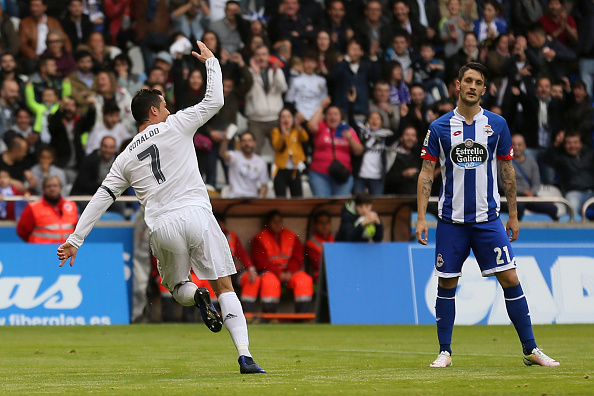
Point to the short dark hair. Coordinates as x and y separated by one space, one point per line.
362 199
110 108
123 57
48 148
142 103
248 133
474 66
271 215
319 214
78 55
578 84
311 54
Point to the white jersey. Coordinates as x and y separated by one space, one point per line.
160 164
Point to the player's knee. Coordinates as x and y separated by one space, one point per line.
508 278
448 283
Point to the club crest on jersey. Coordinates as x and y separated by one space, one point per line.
487 130
439 261
426 141
469 154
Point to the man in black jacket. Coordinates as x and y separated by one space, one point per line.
66 128
575 167
358 222
77 24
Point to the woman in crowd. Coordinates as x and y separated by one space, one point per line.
55 50
287 142
328 56
330 172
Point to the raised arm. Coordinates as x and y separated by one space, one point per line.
423 192
187 121
508 177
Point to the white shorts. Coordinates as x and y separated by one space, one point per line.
190 238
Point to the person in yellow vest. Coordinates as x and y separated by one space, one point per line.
278 255
322 233
50 220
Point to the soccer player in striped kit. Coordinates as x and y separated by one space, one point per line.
469 142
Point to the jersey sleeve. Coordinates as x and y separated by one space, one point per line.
112 187
188 120
430 150
505 151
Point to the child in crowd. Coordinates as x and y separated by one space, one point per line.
6 190
488 28
430 72
452 27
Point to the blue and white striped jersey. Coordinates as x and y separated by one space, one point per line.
468 157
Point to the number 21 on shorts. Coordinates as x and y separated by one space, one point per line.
497 251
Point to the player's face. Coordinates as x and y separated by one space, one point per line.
163 112
472 87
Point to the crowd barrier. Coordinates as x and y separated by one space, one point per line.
393 283
360 283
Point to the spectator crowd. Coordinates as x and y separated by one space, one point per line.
337 97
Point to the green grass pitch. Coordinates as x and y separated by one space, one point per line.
300 359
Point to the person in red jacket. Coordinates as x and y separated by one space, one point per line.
278 255
322 233
50 220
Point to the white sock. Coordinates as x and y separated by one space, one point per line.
184 293
234 321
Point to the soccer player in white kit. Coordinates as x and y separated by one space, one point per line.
160 164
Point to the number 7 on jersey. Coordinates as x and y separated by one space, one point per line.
153 152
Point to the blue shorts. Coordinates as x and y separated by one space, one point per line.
488 241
